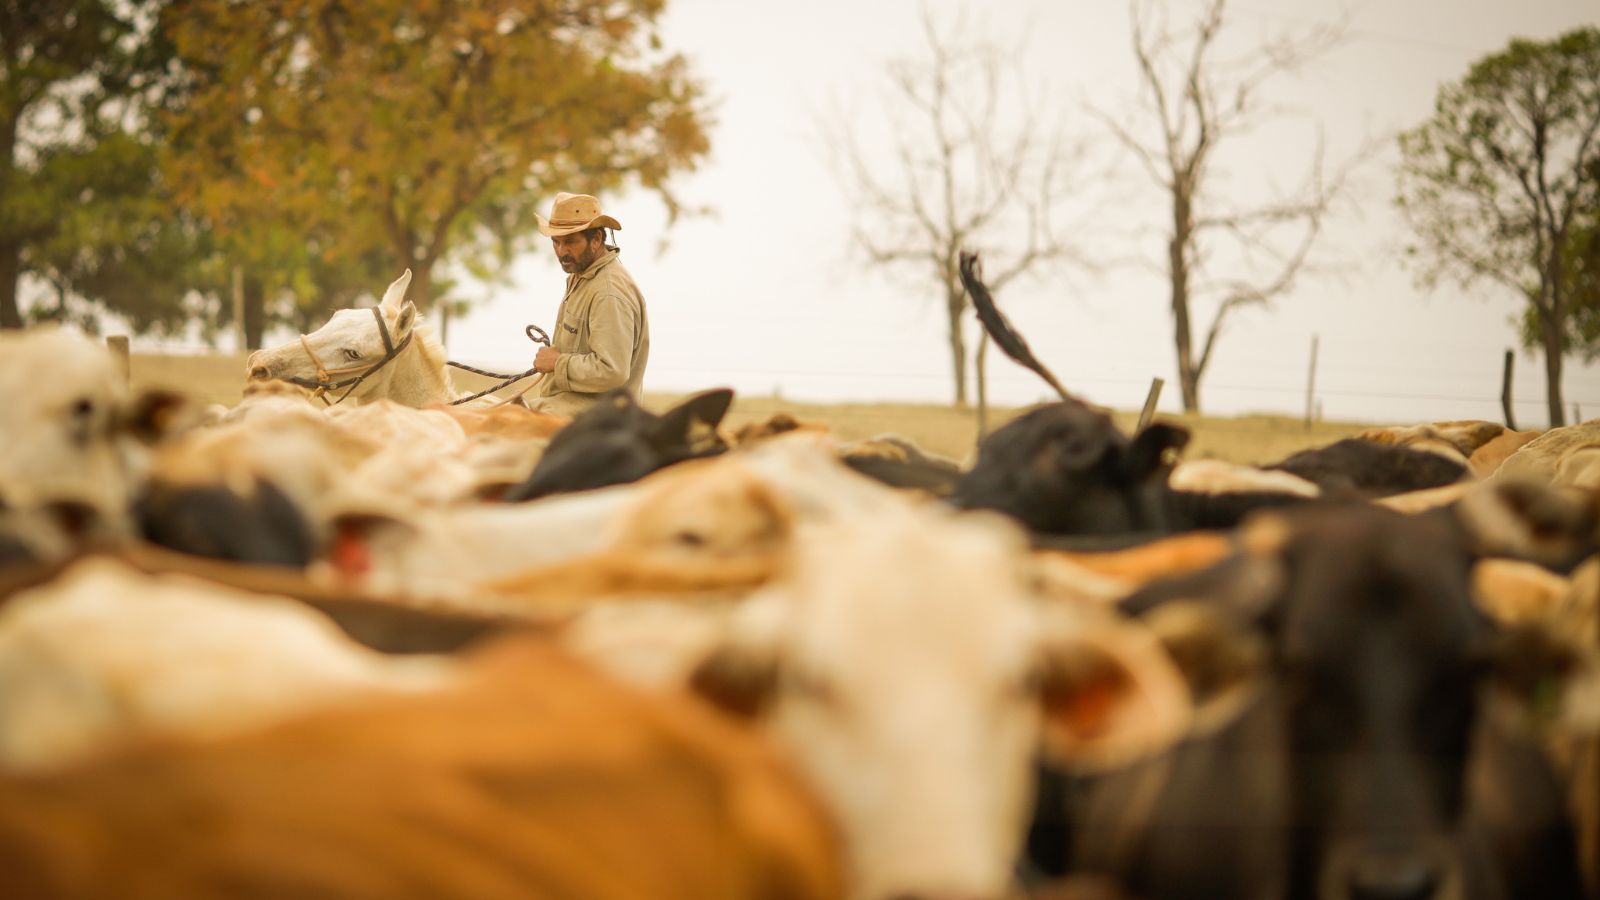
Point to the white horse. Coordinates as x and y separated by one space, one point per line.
386 352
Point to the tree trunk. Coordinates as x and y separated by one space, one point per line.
954 304
420 291
255 312
1554 349
10 251
10 272
1178 272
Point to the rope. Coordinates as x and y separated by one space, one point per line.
535 334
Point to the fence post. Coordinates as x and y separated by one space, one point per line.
1150 399
1505 393
1311 382
118 344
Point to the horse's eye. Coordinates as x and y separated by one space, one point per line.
351 354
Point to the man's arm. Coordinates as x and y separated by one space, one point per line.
613 320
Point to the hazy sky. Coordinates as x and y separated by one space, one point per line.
766 294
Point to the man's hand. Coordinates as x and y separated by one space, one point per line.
545 359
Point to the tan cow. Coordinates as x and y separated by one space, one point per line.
1562 456
532 776
505 421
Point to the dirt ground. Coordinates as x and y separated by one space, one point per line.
941 429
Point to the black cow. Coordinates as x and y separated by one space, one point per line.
1359 468
211 520
617 441
1066 469
1382 748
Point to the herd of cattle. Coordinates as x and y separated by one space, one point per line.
372 650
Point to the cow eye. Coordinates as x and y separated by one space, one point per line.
83 409
351 354
690 538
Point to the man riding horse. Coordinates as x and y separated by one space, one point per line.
601 338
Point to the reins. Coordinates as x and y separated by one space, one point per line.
323 385
535 334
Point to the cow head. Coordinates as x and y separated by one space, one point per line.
1389 755
910 673
617 441
1064 468
63 404
350 343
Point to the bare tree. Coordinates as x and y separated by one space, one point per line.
1199 99
967 162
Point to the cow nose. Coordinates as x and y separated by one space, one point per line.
255 367
939 896
1393 876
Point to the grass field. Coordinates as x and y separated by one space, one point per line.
941 429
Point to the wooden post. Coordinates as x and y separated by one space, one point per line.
238 308
118 344
1149 411
1505 393
980 358
1311 382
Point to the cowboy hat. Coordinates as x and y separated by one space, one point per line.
572 213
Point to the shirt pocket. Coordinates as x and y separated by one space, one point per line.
569 334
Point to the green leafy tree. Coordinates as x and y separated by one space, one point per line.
321 137
1583 275
74 181
1502 183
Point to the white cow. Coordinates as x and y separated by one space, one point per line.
907 667
106 652
60 423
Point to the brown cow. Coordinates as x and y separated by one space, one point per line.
534 777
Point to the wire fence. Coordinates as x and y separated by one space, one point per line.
1017 387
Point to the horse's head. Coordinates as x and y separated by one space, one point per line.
349 353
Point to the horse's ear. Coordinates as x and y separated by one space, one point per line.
408 316
396 291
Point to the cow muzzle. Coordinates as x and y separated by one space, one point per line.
1378 872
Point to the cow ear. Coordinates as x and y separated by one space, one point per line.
157 414
693 423
1158 445
740 673
1110 694
1552 680
736 679
348 553
1530 520
1220 659
397 291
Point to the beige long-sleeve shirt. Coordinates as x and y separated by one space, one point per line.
603 336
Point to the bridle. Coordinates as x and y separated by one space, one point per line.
324 382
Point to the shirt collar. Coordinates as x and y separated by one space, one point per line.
600 262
